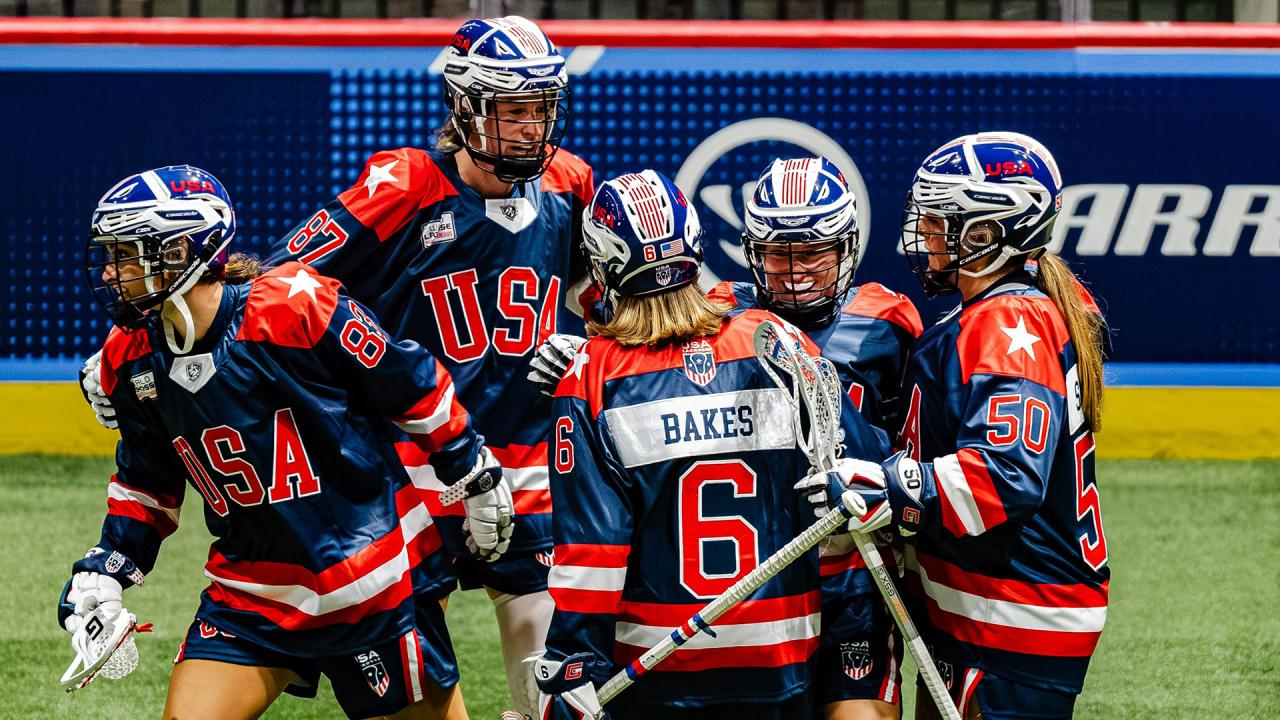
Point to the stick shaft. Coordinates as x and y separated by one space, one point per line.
915 644
736 593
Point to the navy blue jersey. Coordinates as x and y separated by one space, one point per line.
279 419
480 283
868 343
1011 557
672 473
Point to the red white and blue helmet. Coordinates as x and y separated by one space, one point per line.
507 59
175 221
802 211
997 195
641 236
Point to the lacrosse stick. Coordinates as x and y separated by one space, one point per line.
815 385
851 505
103 648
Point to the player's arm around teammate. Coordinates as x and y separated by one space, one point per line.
996 484
271 393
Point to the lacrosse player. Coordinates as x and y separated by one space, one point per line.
469 249
803 245
271 393
673 465
1002 398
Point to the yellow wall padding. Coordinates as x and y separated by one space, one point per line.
1190 423
1139 422
50 418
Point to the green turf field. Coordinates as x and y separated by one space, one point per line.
1193 630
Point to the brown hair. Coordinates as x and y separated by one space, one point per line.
240 268
1084 323
674 316
447 138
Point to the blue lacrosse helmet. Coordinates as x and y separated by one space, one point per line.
993 196
642 237
801 239
510 61
153 235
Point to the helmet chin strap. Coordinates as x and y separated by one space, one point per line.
176 304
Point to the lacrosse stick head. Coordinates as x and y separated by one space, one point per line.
814 386
103 648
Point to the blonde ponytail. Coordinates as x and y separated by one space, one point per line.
675 316
1085 324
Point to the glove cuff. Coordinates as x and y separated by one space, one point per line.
906 482
456 460
558 677
111 563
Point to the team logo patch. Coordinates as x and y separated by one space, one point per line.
514 214
664 275
855 659
144 385
194 372
375 673
546 557
439 231
114 562
699 361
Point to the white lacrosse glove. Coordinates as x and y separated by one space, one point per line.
816 487
552 359
565 689
867 480
89 591
91 386
490 507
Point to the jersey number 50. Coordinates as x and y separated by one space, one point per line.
698 530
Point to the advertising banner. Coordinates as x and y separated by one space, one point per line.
1171 211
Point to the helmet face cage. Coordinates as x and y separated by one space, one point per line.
158 232
493 130
800 211
778 267
508 94
159 264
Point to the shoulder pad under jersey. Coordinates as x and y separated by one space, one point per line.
877 301
394 186
1016 336
289 306
569 173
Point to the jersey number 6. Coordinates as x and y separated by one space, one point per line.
698 530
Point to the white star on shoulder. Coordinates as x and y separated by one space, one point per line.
379 174
1020 339
303 282
579 364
